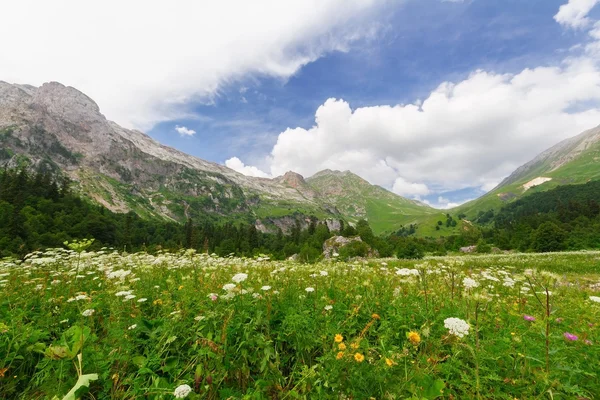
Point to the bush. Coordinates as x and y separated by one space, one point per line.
354 249
410 250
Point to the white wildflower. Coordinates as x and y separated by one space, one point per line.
182 391
470 283
508 282
457 326
595 299
328 307
407 272
229 286
132 327
143 299
310 289
237 278
265 288
88 312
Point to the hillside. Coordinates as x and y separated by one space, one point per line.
58 129
572 161
357 199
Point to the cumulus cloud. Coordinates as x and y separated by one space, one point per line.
404 188
476 131
144 60
444 203
237 165
184 131
574 13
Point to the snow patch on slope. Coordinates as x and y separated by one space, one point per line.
535 182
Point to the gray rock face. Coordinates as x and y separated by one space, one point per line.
60 129
332 246
61 125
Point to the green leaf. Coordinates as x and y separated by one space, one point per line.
435 390
82 383
139 361
57 352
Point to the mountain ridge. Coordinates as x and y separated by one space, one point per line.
575 160
59 128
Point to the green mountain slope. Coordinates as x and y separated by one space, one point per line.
61 130
572 161
355 198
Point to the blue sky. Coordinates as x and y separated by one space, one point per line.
423 43
432 99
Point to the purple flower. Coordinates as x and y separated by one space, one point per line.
570 336
528 318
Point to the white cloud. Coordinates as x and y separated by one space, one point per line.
476 131
404 188
184 131
237 165
444 203
574 13
143 60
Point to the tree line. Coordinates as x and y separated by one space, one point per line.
39 210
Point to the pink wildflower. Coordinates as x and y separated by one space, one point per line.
528 318
570 336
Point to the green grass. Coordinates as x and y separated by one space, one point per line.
364 329
582 169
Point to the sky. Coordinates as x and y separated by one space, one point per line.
437 100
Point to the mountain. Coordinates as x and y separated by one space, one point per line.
58 129
356 199
573 161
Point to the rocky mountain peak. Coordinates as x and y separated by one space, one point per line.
292 179
67 102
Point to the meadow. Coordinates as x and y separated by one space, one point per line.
105 324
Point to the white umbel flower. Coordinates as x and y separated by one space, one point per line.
88 312
265 288
309 289
595 299
237 278
182 391
457 326
470 283
229 286
407 272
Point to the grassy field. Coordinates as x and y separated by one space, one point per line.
136 326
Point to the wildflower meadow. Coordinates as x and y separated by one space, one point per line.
78 324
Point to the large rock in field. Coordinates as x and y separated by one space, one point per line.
332 246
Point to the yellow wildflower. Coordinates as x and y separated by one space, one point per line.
355 345
375 316
414 338
389 362
180 287
342 346
339 338
157 302
359 357
339 355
